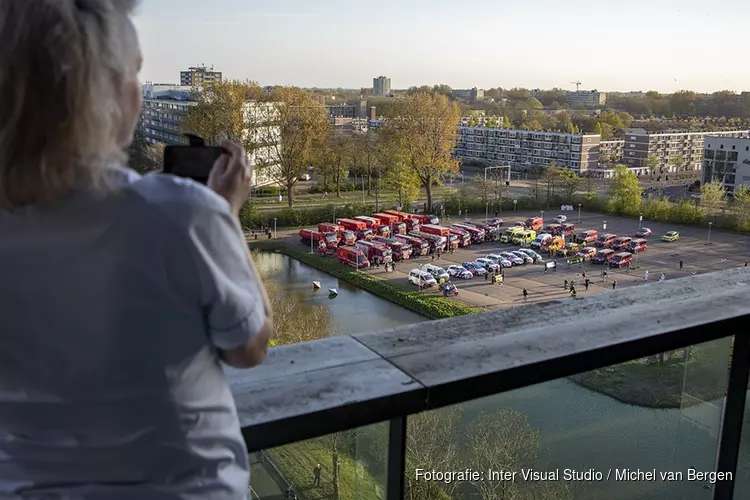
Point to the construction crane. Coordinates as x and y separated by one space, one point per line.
578 85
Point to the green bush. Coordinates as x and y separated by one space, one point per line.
430 306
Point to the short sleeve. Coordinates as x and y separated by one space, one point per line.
229 290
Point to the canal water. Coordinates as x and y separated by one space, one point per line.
579 428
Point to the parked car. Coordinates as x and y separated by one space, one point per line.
503 261
621 243
560 219
523 256
638 245
644 232
459 272
532 254
605 240
671 236
602 256
438 272
488 264
421 278
474 268
620 259
540 239
515 260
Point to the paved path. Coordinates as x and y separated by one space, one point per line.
262 480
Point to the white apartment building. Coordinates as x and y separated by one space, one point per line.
381 86
727 160
587 97
525 148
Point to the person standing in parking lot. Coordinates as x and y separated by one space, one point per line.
681 263
525 294
614 284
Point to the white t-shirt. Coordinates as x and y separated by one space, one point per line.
111 310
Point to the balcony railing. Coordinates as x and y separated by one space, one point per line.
312 389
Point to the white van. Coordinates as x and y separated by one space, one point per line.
537 243
437 272
417 276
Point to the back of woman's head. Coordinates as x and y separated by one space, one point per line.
61 65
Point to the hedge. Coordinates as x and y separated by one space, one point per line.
428 305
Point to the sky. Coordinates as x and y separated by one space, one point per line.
609 45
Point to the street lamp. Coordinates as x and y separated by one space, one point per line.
604 225
515 205
709 233
274 227
542 215
640 221
486 211
579 213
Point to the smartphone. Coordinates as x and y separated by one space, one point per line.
194 161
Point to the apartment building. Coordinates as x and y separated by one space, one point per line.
472 95
199 76
675 151
587 97
579 152
381 86
358 110
726 160
164 109
611 151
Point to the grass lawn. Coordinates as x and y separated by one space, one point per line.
658 386
296 462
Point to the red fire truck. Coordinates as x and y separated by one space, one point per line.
325 241
427 219
412 224
400 250
418 245
441 231
464 237
352 256
375 224
378 253
346 237
358 227
436 242
477 235
397 227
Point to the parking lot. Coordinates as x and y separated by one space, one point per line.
725 251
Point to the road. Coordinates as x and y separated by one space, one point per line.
725 251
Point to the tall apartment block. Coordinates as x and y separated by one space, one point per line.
472 95
611 151
381 86
164 108
579 152
726 160
675 151
199 76
587 97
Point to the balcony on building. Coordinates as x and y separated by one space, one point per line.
384 404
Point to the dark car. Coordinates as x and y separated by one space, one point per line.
621 243
621 259
644 232
602 256
605 240
638 245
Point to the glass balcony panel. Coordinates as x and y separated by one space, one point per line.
654 415
361 455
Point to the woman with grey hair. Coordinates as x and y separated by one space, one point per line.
119 293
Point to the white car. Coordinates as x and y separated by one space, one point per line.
521 255
488 264
503 261
459 272
516 260
532 254
560 219
438 272
540 238
423 278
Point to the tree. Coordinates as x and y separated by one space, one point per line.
145 157
550 177
713 198
569 181
220 112
624 191
427 128
332 159
742 205
393 164
652 163
288 132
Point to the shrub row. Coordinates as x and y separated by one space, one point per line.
251 217
428 305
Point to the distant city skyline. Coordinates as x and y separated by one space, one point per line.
642 45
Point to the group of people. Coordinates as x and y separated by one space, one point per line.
498 275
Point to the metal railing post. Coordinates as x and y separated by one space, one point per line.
396 458
734 409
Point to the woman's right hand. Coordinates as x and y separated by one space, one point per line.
230 176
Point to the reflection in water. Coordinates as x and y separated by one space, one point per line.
580 429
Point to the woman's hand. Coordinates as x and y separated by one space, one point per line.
230 176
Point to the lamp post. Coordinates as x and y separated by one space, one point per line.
640 221
363 188
274 227
579 213
334 215
486 211
709 232
542 215
515 205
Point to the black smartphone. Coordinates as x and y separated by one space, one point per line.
193 162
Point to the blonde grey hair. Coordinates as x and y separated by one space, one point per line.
60 61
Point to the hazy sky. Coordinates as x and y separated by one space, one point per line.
606 44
